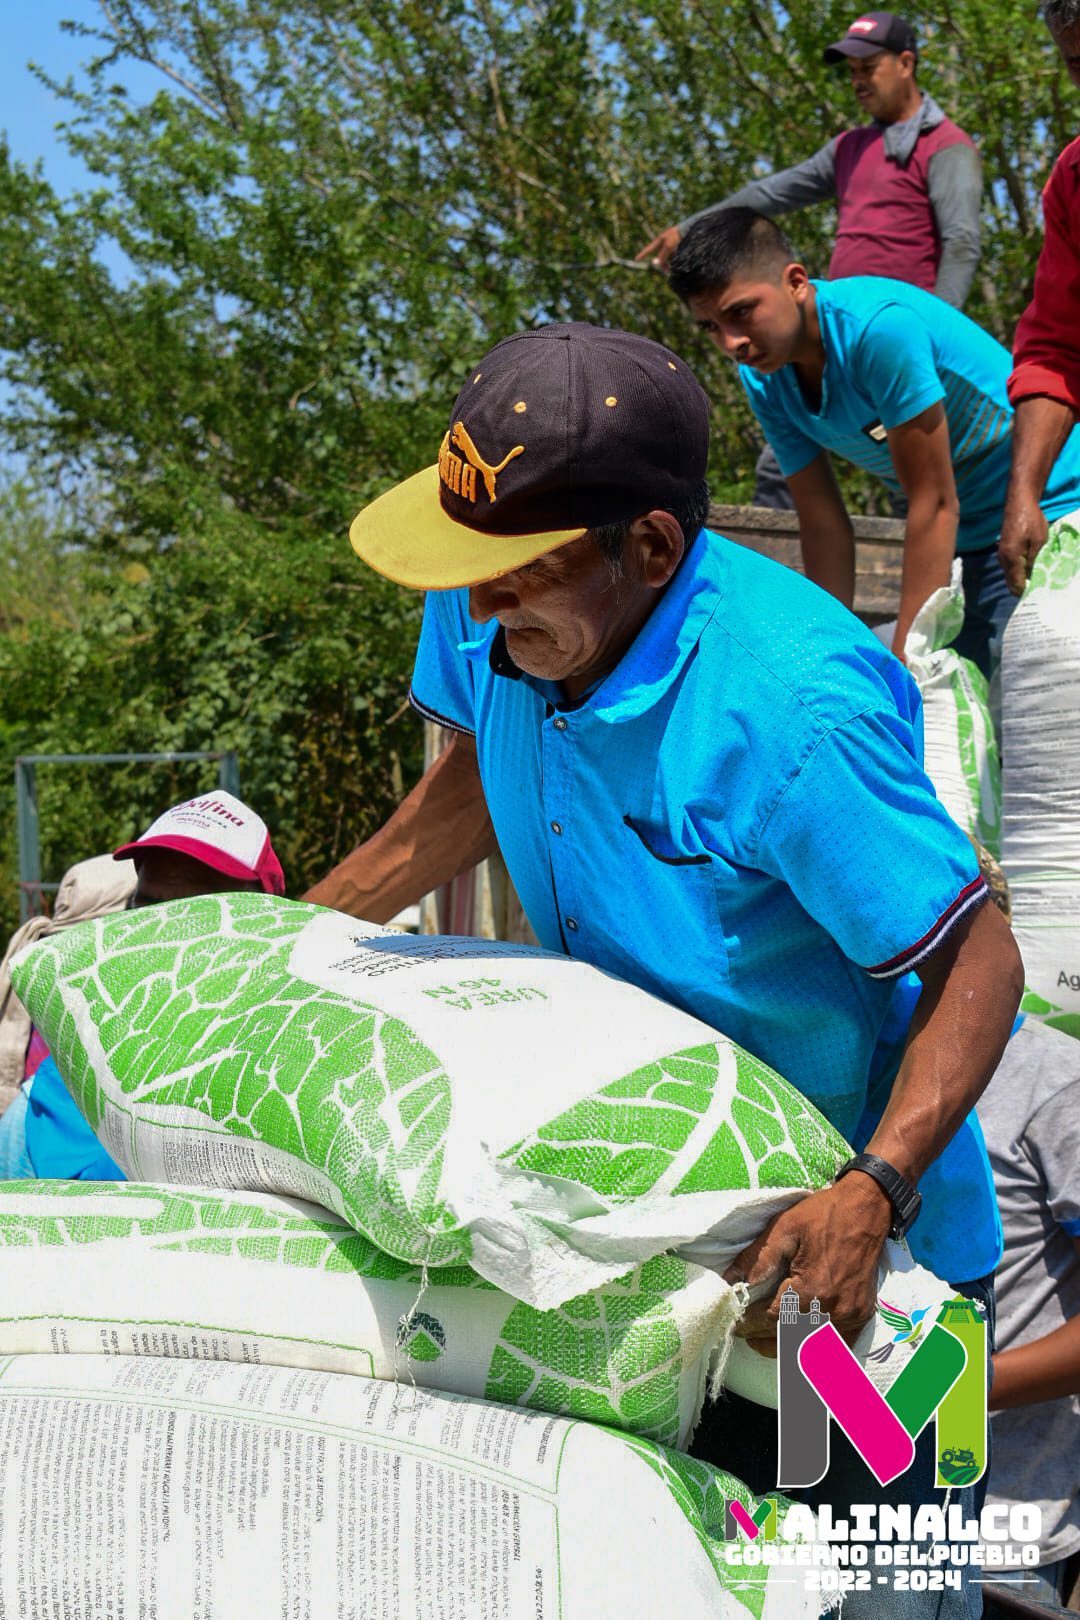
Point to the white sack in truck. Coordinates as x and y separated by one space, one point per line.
1040 853
960 752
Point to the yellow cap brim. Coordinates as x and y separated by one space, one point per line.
407 536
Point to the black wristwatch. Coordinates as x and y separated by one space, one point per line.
905 1199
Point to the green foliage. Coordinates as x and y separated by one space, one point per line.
327 211
222 640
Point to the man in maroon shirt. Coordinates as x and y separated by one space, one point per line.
907 185
1044 388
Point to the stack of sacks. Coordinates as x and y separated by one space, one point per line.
959 747
1040 674
457 1102
514 1147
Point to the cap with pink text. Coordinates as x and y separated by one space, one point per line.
873 32
221 832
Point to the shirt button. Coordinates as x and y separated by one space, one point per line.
556 826
571 923
560 723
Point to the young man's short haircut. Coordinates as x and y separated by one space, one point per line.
728 243
1060 14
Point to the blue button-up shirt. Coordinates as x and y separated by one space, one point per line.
736 819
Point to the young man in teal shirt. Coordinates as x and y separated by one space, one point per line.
889 377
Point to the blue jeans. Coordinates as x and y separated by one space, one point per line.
740 1436
988 606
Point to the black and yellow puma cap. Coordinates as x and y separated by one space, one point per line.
558 430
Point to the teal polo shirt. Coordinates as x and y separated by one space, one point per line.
892 351
735 819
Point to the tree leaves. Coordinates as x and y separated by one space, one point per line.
324 213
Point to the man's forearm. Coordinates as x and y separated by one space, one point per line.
439 831
972 986
829 559
1040 428
811 181
826 536
1044 1370
929 548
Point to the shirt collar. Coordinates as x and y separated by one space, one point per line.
669 635
901 139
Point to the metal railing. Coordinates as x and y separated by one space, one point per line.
27 821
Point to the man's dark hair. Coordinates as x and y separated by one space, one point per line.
727 243
1059 14
691 515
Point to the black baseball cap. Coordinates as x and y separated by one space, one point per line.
557 431
874 31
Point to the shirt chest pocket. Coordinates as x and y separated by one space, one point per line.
670 898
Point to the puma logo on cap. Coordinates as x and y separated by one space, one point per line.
461 476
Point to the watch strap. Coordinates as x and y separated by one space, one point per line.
905 1199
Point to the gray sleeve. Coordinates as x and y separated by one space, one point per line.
809 182
1053 1137
955 185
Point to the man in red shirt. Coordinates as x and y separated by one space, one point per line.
1044 388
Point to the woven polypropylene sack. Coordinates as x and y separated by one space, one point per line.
458 1101
959 747
132 1269
1040 683
135 1486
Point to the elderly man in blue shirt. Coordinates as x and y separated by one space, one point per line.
705 777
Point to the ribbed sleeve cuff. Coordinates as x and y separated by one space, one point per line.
969 899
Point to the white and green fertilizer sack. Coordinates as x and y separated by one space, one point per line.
1040 676
959 747
173 1489
458 1101
128 1269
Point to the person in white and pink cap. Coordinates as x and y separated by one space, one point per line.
208 845
203 846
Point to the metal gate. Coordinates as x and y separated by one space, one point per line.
31 886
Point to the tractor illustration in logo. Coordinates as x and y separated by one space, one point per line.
958 1466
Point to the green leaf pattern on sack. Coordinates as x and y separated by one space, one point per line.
1058 563
614 1356
336 1083
702 1492
1049 1013
192 1222
971 692
648 1127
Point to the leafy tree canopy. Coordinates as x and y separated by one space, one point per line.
327 211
